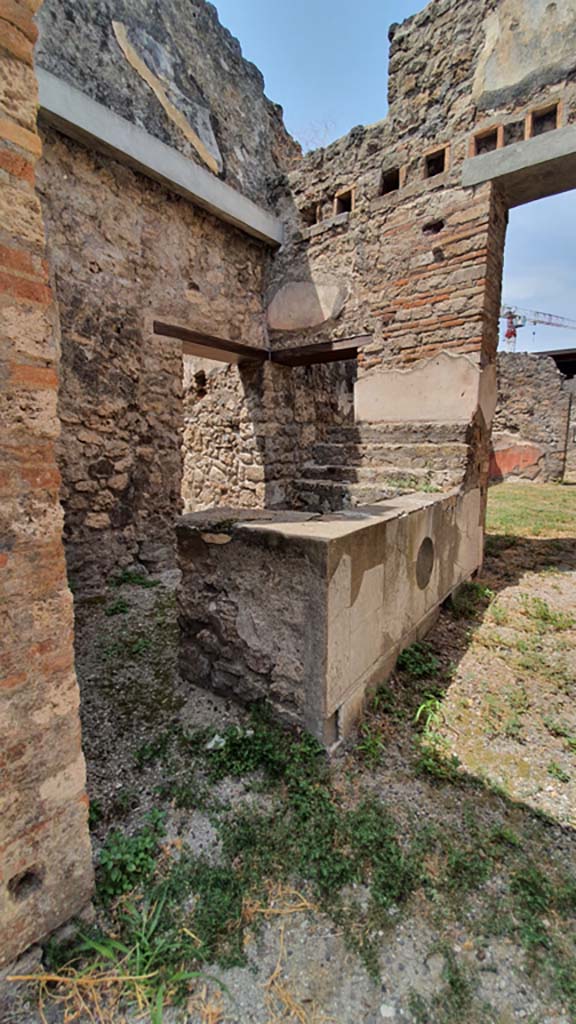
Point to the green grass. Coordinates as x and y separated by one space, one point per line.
169 914
418 661
543 616
557 772
535 510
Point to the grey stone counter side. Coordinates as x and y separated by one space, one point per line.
309 613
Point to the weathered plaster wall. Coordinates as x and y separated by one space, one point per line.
530 428
122 251
190 60
45 859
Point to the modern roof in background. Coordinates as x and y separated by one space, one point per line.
565 359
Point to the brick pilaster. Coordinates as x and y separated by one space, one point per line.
45 862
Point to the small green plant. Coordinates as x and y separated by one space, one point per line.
370 744
418 661
118 607
429 713
499 613
544 617
134 579
126 861
95 814
140 645
557 772
501 835
454 1002
468 598
433 761
154 750
556 727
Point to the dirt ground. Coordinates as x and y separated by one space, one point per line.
427 876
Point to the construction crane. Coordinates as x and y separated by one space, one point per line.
516 318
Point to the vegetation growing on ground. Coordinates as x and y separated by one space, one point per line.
330 837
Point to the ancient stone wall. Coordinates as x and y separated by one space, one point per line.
124 250
530 428
570 465
249 431
172 69
382 240
381 218
45 859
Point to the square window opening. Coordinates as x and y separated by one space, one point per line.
544 120
435 163
310 214
486 142
513 132
344 201
390 181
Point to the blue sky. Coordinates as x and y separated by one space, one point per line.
325 62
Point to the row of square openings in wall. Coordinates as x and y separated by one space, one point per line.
536 122
391 180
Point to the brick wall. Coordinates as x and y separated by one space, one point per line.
45 861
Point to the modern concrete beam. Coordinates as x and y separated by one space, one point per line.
82 118
529 170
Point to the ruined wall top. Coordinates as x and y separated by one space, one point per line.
460 59
172 69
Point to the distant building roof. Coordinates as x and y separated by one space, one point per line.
565 359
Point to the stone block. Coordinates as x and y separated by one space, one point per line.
313 611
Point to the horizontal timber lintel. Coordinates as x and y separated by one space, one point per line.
208 346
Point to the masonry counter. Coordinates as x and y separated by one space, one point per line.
309 612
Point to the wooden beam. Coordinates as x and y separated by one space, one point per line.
321 352
300 357
195 343
208 346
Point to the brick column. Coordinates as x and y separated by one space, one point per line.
45 861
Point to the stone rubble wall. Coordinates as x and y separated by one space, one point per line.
249 431
419 268
410 257
530 428
45 857
122 251
570 465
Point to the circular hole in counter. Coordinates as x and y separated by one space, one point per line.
425 563
22 885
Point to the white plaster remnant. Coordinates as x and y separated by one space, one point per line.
301 304
170 96
447 388
521 38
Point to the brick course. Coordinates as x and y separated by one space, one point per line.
43 813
